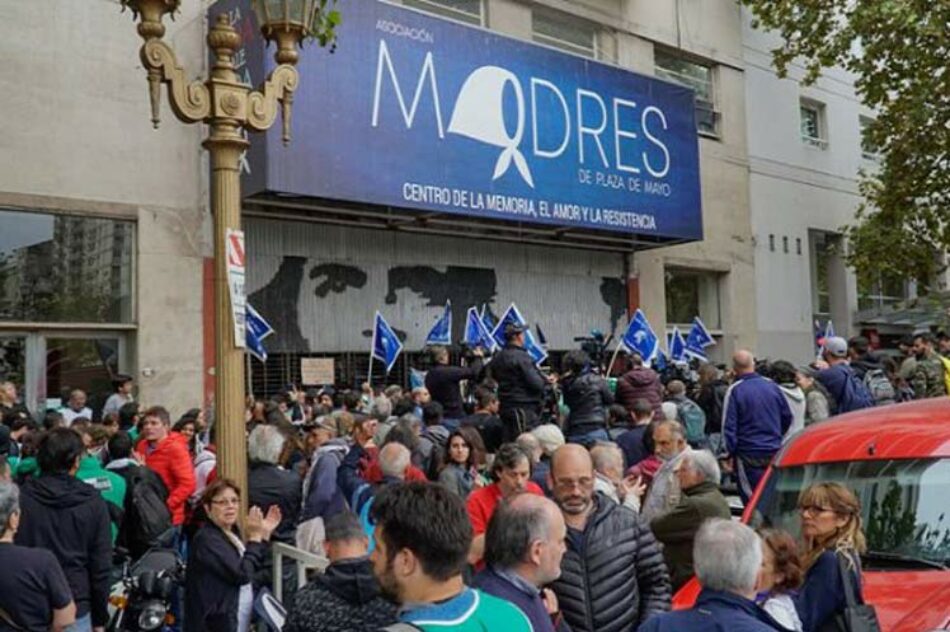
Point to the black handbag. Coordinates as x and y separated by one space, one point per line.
856 617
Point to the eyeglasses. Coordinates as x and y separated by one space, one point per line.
568 483
227 502
814 509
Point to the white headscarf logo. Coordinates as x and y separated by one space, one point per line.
479 115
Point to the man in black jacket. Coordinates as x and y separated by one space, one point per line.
520 384
346 596
587 395
613 577
69 517
443 381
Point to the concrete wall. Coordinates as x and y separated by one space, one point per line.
319 286
794 188
76 136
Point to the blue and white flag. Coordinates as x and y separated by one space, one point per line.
441 332
386 344
698 339
476 334
487 319
513 316
677 346
417 378
256 329
538 353
640 337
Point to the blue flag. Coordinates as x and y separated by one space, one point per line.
256 330
386 344
640 337
476 335
441 332
538 353
698 339
487 319
513 316
417 378
677 346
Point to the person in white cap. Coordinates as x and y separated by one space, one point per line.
847 391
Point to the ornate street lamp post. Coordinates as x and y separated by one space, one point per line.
229 107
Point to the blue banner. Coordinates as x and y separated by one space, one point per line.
677 346
256 329
386 344
513 315
441 332
476 334
640 337
418 112
698 339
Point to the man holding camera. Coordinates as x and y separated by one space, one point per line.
443 380
521 384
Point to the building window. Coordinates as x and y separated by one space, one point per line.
869 151
798 245
63 268
468 11
884 291
771 243
693 75
822 252
691 293
785 244
814 129
564 32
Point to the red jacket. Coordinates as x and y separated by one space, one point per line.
172 462
640 383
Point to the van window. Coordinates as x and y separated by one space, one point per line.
904 503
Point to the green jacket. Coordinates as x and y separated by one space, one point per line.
470 611
677 528
27 468
927 378
111 487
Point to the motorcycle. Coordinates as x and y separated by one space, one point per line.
141 600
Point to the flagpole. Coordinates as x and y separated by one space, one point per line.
369 372
247 372
613 359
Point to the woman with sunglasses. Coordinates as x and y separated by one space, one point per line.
831 530
218 593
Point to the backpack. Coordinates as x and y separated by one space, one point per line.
147 518
694 422
854 394
880 388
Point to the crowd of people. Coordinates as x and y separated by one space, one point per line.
436 510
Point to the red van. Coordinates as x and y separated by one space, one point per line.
897 460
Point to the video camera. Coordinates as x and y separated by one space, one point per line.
595 346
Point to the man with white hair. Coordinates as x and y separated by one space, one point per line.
698 475
728 556
610 480
270 484
669 444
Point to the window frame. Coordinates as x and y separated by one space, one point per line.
821 124
867 153
714 279
710 105
439 10
595 52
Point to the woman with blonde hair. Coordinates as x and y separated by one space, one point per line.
833 540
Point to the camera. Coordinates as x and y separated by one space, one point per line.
595 346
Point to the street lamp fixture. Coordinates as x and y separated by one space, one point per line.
229 108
